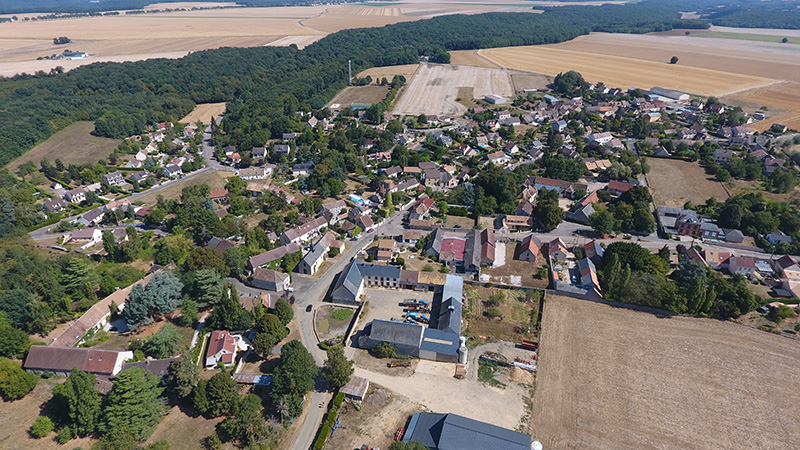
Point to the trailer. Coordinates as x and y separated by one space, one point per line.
529 345
394 364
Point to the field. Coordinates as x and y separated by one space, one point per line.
215 179
389 72
360 94
675 182
72 145
748 37
785 96
205 113
434 88
621 71
632 380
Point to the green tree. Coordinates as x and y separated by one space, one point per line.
163 344
183 375
207 287
80 401
13 341
41 427
134 404
221 394
295 372
549 214
15 383
206 258
173 248
263 343
643 221
384 350
284 311
229 314
337 369
161 296
602 221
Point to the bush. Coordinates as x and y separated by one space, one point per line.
323 436
338 399
64 435
41 427
493 313
427 268
342 314
384 350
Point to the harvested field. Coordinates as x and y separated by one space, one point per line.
407 70
215 179
205 113
360 94
623 72
632 380
72 145
434 88
785 96
522 81
675 182
749 37
300 41
472 58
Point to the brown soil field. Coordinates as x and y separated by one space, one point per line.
623 72
215 179
407 70
72 145
300 41
675 182
434 88
633 380
205 113
472 58
360 94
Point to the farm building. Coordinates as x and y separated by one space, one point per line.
356 388
61 360
270 280
454 432
495 99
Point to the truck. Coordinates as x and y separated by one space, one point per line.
529 345
423 302
412 314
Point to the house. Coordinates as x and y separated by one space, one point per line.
123 204
55 205
61 360
84 235
691 224
365 222
741 265
511 148
76 196
497 158
524 209
557 250
454 432
172 170
528 194
258 153
617 188
581 212
786 267
303 169
253 173
222 348
588 274
560 126
733 236
722 155
92 217
778 237
488 246
312 122
458 249
303 232
114 178
716 259
351 282
594 251
512 223
220 244
158 367
385 249
600 138
529 249
262 259
334 207
269 280
140 176
411 237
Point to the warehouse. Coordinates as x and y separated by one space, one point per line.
454 432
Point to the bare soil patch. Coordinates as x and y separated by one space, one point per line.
518 315
72 145
632 380
435 88
360 94
621 71
205 113
526 271
215 179
406 70
675 182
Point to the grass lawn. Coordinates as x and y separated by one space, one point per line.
73 145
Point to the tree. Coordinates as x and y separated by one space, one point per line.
384 350
220 392
549 214
643 221
183 375
207 287
13 341
81 401
163 344
188 313
284 311
673 60
206 258
41 427
629 253
15 383
229 314
602 222
723 175
337 369
133 404
295 372
173 248
161 296
263 343
784 40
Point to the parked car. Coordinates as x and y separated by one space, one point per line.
309 308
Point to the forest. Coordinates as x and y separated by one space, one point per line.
265 86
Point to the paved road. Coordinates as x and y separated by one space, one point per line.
311 291
209 153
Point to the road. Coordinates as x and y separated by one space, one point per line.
210 155
311 291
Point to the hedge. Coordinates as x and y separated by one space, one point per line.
329 421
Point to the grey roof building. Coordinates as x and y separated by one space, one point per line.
454 432
357 274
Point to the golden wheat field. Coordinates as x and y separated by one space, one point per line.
613 378
204 112
621 71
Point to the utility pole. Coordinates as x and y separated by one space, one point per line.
349 73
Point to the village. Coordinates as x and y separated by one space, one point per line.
424 247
